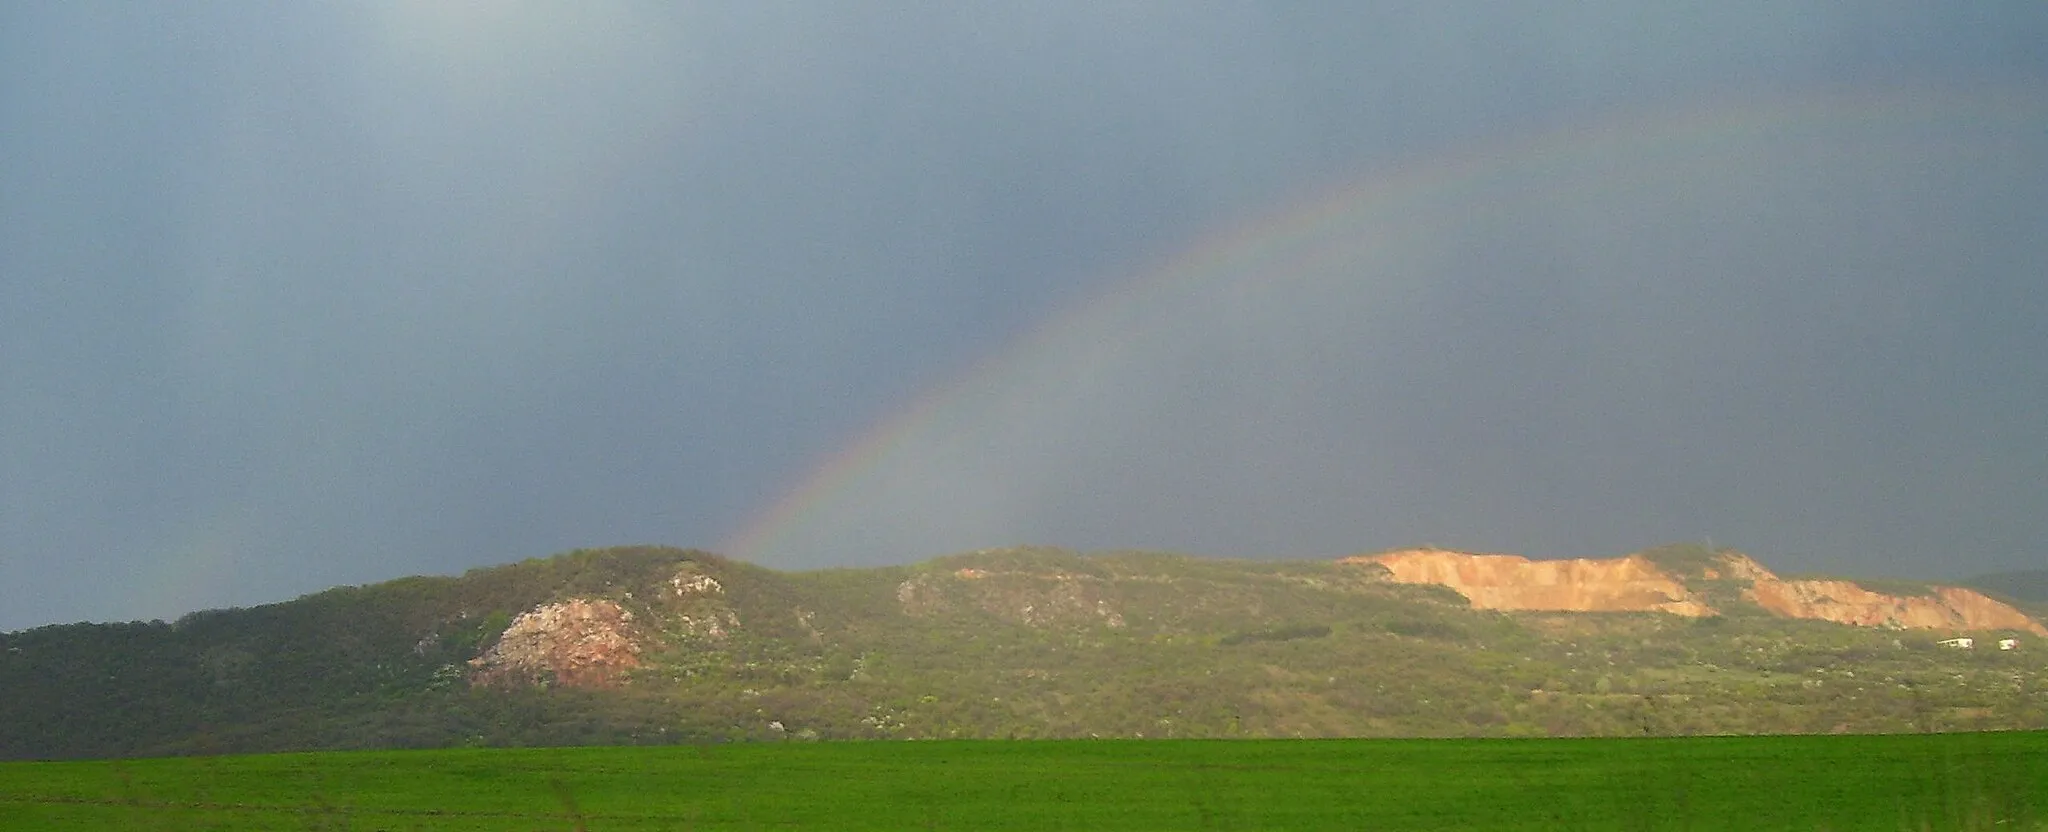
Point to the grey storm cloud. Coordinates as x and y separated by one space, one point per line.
295 295
1754 337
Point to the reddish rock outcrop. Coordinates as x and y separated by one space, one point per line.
1513 582
578 643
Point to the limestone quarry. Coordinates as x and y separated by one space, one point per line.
1512 582
1638 584
1948 608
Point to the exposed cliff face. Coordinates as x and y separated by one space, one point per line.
1949 608
1636 584
1512 582
578 643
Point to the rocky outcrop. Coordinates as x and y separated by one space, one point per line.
1513 582
695 605
1637 584
577 643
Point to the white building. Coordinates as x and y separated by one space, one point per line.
2008 644
1964 643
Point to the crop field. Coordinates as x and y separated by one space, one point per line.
1995 781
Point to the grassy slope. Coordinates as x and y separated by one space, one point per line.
1956 781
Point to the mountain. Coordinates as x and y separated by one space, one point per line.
656 645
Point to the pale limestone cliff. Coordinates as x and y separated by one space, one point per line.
1948 608
1636 584
1513 582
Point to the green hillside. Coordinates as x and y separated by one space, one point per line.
1026 643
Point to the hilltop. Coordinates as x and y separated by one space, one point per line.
657 645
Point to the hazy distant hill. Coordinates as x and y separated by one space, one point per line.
2027 585
652 645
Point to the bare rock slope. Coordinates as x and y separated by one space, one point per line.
1637 583
1513 582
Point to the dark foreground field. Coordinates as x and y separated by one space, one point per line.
1911 782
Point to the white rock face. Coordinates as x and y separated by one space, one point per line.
698 604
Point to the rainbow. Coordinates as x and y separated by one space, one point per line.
1349 224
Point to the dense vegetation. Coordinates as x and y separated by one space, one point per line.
1014 643
1940 782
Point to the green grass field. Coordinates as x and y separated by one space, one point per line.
1907 782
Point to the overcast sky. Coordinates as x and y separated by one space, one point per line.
295 295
